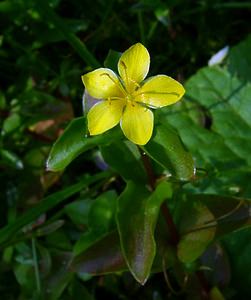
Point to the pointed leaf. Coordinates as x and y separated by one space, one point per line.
167 149
102 257
105 256
232 213
194 242
136 218
73 142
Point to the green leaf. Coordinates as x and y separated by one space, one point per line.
239 61
46 204
238 248
8 7
100 220
49 228
123 158
11 123
2 99
232 213
136 218
214 123
46 11
59 277
207 217
78 211
73 142
215 294
24 276
167 149
59 239
102 212
193 242
103 257
10 159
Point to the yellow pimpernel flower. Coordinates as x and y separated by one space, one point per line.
127 99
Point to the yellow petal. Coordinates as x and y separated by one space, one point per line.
160 91
137 123
102 83
133 66
104 116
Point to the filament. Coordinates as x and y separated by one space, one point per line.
115 82
125 70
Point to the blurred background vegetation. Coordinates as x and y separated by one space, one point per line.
45 47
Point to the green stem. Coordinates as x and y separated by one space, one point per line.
35 264
76 43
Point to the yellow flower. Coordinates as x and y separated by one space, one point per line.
127 99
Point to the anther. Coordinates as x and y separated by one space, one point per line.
114 81
108 75
125 70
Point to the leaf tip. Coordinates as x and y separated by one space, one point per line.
49 166
141 280
140 277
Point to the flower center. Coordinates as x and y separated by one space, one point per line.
127 87
129 98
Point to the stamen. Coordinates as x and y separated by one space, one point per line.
127 77
157 93
135 82
115 82
146 106
116 98
125 70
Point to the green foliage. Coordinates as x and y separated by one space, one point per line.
74 142
194 242
220 101
136 226
123 158
167 149
178 205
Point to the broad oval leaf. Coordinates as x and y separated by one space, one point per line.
167 149
196 236
232 213
136 218
101 220
104 256
73 142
